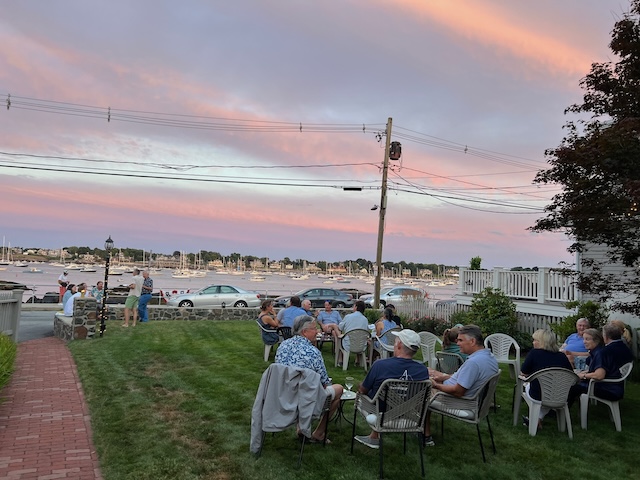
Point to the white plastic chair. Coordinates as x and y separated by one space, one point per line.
267 348
428 343
501 345
555 383
358 343
384 349
614 405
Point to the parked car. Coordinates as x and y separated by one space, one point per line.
318 296
354 292
217 296
393 295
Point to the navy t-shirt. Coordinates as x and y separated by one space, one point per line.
539 359
396 368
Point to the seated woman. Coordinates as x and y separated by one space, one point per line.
574 348
450 342
601 366
384 324
267 319
545 354
624 331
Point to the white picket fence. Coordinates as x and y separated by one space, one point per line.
415 308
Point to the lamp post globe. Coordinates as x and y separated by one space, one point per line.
108 246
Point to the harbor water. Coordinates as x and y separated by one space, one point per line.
267 284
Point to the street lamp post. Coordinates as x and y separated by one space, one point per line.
108 246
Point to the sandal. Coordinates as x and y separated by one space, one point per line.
313 439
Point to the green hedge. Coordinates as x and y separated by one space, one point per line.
7 359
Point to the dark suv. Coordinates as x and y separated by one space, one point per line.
318 296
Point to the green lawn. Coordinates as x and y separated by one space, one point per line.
172 400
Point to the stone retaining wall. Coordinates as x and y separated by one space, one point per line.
83 323
163 312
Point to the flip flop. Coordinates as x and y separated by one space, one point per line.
313 439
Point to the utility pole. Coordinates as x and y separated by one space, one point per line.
383 209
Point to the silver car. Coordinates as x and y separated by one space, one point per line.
217 296
394 295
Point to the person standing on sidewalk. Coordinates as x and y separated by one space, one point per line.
131 303
145 297
63 281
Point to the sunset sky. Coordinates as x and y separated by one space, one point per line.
234 125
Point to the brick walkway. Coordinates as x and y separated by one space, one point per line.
45 431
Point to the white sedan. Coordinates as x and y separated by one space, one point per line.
217 296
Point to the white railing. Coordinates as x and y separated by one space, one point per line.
545 285
418 307
10 306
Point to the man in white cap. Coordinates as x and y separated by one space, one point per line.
63 281
401 366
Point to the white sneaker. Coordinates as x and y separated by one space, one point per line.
368 441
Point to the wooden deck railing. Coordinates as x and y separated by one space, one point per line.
10 306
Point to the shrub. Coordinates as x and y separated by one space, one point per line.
460 317
427 324
493 312
373 315
595 312
7 359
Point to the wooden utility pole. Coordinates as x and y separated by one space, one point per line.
383 209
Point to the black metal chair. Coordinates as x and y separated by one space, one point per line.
399 406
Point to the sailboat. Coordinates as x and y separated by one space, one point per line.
6 255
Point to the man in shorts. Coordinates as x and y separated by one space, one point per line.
131 303
299 351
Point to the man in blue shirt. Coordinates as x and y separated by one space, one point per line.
329 320
474 373
291 312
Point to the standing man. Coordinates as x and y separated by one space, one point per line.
63 281
353 321
131 303
401 366
147 289
329 320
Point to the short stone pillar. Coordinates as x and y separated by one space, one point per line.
85 314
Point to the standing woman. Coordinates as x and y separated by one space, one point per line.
267 319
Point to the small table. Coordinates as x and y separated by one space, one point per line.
347 396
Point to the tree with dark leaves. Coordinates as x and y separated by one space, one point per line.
598 167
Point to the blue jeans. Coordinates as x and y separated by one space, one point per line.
143 314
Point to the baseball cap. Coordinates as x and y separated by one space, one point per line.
409 338
65 272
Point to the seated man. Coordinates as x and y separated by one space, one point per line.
480 366
401 366
299 351
290 313
329 320
353 321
